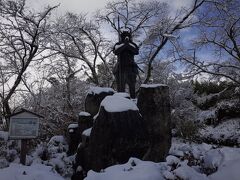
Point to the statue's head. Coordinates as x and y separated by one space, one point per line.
125 35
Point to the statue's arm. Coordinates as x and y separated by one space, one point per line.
133 48
118 48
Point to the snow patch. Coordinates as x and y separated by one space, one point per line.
118 104
84 114
152 85
73 126
87 132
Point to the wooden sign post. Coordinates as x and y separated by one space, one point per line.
24 125
23 152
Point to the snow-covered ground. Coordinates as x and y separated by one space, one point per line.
187 161
33 172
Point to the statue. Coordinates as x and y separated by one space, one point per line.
126 70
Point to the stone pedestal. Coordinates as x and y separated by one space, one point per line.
154 105
85 121
118 133
73 137
95 97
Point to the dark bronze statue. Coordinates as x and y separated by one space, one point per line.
126 70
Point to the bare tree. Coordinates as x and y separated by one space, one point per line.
220 37
22 35
152 25
77 39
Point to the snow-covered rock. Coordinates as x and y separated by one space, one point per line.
187 173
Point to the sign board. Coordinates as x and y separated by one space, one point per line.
23 128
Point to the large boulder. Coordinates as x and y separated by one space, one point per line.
85 121
118 133
73 138
154 105
94 98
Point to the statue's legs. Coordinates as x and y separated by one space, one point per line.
131 81
132 90
121 81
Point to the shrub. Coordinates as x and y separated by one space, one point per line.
208 87
186 129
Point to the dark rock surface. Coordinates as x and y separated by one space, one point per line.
154 105
95 97
116 136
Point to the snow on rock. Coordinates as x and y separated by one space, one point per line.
84 114
118 104
33 172
122 94
99 90
87 132
168 175
134 169
152 85
3 135
172 160
55 140
187 173
73 126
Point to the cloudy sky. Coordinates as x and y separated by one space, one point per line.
89 6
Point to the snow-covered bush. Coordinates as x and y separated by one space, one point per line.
54 153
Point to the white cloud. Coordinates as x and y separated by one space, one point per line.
76 6
89 6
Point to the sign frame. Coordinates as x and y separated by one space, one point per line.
11 136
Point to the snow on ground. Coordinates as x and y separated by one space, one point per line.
187 161
134 169
34 172
118 104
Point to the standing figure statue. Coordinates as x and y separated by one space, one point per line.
126 70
